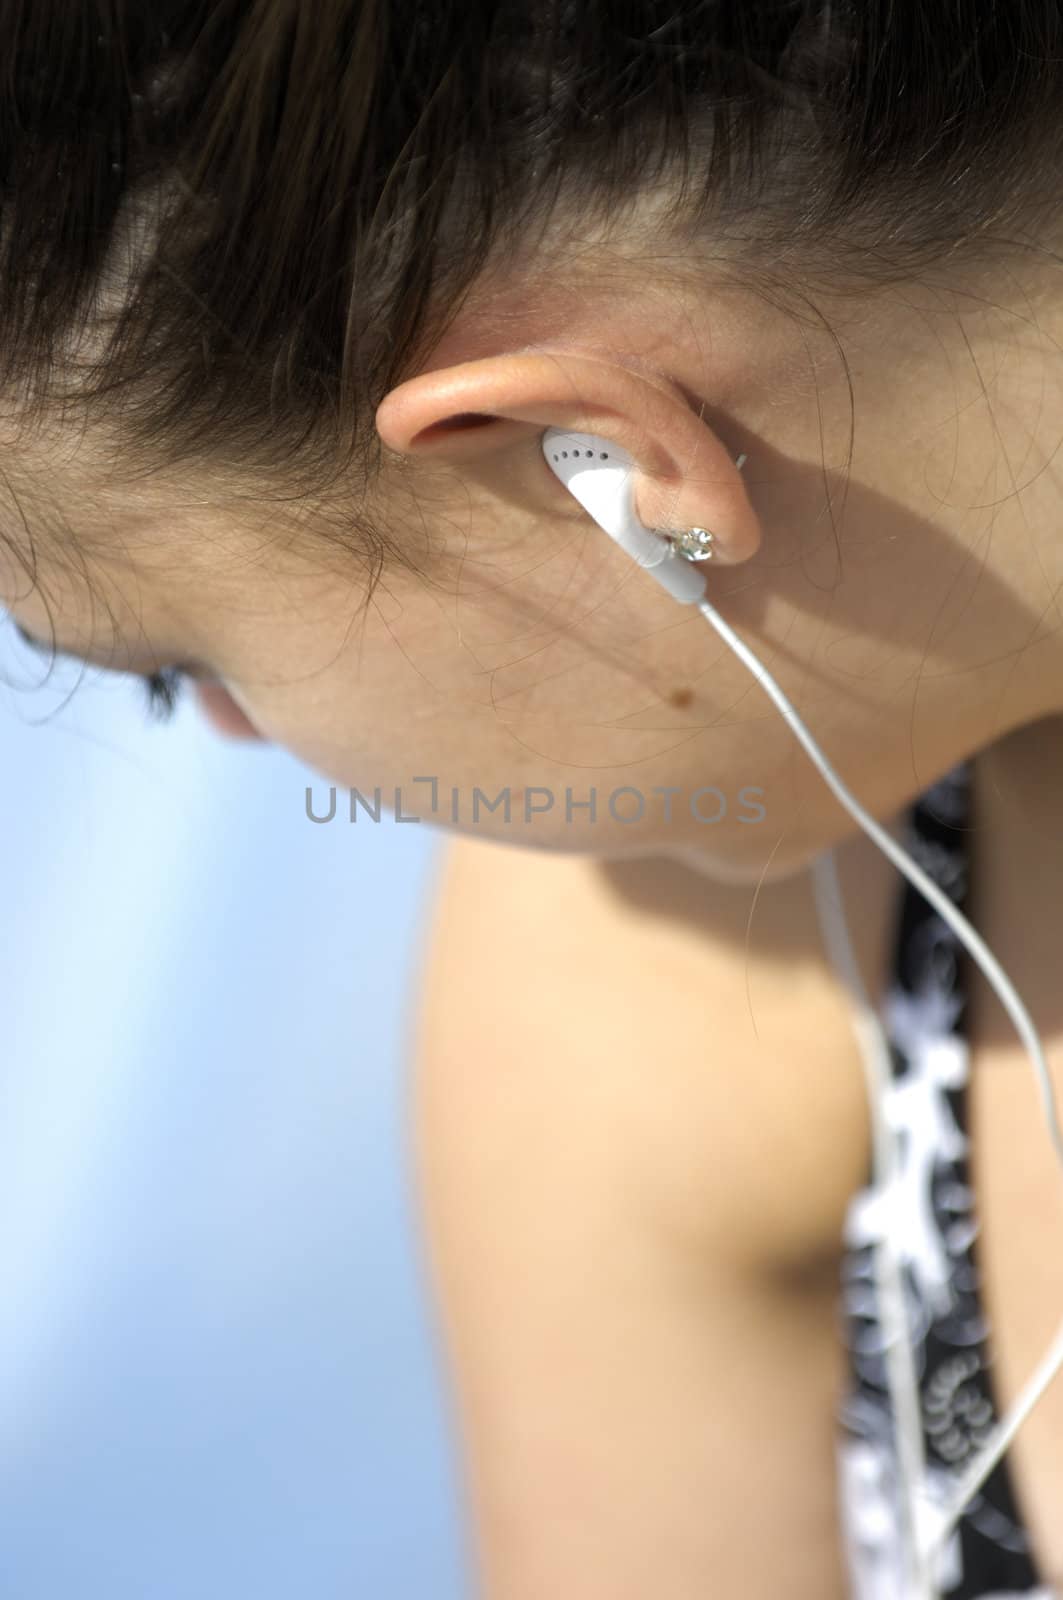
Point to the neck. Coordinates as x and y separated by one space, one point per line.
1017 878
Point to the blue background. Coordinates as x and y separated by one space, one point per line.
219 1372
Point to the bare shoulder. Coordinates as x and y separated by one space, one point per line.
660 1036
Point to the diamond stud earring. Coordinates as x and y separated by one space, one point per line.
694 543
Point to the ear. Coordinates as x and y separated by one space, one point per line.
473 410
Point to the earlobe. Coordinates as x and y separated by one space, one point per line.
470 411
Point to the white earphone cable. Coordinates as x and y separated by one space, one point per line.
601 473
899 1357
936 1522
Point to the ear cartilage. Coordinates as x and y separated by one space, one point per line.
696 543
600 475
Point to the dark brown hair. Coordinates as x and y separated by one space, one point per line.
292 197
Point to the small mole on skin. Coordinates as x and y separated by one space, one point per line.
681 698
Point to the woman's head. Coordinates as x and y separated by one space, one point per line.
289 294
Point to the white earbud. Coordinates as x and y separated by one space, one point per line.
600 474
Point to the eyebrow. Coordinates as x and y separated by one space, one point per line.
192 669
50 650
33 642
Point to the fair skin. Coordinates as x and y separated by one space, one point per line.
633 1235
525 650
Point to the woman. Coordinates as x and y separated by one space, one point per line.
290 295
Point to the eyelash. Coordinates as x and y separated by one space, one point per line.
162 689
162 693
